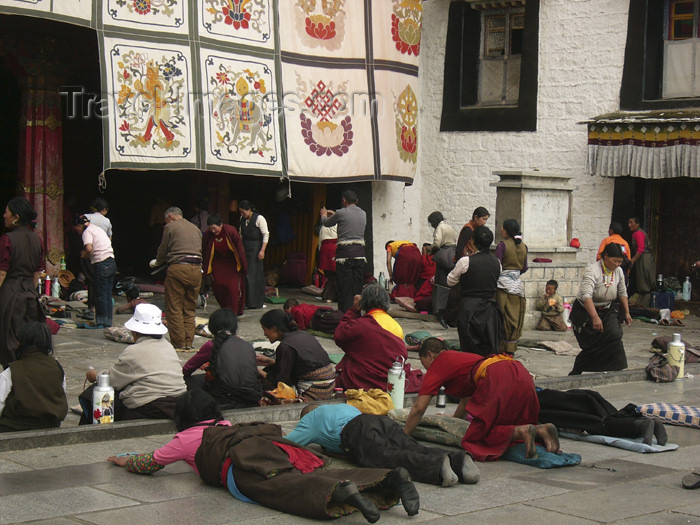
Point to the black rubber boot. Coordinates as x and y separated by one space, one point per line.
347 493
400 480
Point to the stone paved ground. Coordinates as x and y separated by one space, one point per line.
72 483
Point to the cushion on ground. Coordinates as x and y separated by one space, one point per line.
672 414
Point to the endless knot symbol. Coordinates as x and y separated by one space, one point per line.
322 102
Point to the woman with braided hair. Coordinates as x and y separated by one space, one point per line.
232 376
300 361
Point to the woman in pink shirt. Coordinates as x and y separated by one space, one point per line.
643 264
195 411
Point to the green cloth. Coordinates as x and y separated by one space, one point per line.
276 300
414 338
335 358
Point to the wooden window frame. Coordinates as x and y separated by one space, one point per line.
463 51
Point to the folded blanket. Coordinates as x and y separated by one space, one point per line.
446 430
633 444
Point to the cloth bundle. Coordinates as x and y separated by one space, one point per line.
372 401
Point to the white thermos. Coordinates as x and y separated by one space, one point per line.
396 382
102 401
675 354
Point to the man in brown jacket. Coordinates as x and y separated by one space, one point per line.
181 250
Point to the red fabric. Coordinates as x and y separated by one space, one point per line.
303 313
197 360
424 292
303 460
326 257
40 166
53 326
500 401
218 259
403 290
427 266
452 370
370 350
408 264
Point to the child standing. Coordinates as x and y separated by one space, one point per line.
550 304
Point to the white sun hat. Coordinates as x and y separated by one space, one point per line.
147 319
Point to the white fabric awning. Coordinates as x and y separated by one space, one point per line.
649 145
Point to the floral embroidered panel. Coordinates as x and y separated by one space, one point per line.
150 102
316 90
240 115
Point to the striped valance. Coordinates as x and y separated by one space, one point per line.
653 145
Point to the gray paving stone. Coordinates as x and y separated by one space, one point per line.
63 477
665 517
485 494
90 453
626 501
513 514
152 489
29 506
217 507
683 458
10 466
58 521
607 473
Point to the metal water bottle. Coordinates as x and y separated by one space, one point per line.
675 353
55 288
47 285
102 401
396 382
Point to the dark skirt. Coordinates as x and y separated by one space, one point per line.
19 304
255 280
479 325
600 351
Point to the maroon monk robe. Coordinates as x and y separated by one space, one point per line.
370 350
498 402
224 259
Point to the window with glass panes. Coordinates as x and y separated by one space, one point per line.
499 75
681 58
682 19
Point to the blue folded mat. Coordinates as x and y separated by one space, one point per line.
543 459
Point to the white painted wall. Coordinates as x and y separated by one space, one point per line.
582 45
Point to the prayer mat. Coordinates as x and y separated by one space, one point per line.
446 430
633 444
672 414
119 334
543 459
316 333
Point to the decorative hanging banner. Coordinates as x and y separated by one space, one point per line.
329 95
649 145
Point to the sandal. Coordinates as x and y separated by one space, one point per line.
691 481
677 322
